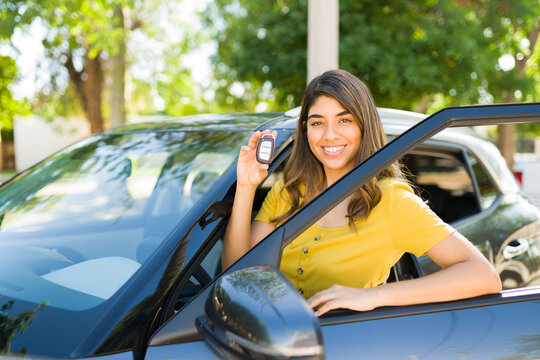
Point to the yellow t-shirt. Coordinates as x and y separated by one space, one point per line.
320 257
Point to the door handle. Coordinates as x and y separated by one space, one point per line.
515 248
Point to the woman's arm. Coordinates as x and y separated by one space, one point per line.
465 273
240 235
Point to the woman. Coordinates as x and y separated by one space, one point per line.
343 260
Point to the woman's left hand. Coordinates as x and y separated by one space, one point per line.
344 297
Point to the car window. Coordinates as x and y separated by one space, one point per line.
442 179
487 190
82 222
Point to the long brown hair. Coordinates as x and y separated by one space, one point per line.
304 168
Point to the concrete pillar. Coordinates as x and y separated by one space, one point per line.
323 36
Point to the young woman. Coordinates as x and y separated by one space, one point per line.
344 259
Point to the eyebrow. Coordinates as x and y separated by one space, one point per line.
345 112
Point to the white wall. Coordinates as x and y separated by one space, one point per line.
529 166
36 138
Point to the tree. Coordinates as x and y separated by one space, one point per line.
9 107
417 55
513 28
261 54
81 37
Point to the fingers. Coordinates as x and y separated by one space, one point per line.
322 304
331 305
256 136
323 301
254 139
343 297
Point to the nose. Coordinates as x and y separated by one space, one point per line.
332 132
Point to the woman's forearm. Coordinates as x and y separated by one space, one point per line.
461 280
466 273
237 236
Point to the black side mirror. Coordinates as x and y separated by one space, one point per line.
256 313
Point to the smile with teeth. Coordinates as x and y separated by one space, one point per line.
333 150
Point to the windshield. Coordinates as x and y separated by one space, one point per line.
76 227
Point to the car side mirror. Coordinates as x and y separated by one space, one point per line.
255 313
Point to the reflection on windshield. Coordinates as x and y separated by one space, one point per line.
81 223
11 324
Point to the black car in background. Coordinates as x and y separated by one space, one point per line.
111 247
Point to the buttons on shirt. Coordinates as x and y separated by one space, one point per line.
305 250
317 238
300 271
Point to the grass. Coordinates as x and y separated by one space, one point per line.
6 174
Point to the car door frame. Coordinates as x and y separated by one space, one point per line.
181 327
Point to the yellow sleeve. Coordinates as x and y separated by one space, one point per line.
415 227
273 204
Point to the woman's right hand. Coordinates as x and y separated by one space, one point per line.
249 171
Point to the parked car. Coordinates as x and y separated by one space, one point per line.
111 247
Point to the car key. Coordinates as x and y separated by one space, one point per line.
265 148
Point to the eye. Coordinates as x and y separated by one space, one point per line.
315 123
345 120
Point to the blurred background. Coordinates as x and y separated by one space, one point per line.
70 68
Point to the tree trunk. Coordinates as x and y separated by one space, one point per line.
507 133
507 143
88 85
92 87
118 70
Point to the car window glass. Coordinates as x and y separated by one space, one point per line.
81 223
203 274
212 262
443 181
488 191
205 268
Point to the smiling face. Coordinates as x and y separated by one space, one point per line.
334 137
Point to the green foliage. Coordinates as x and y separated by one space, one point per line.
261 46
9 107
85 24
175 84
165 51
77 32
406 51
418 55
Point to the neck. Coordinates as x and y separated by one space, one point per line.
334 175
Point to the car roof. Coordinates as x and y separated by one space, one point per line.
199 122
395 122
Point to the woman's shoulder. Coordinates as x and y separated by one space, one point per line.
391 185
279 188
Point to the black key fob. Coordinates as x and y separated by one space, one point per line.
265 149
